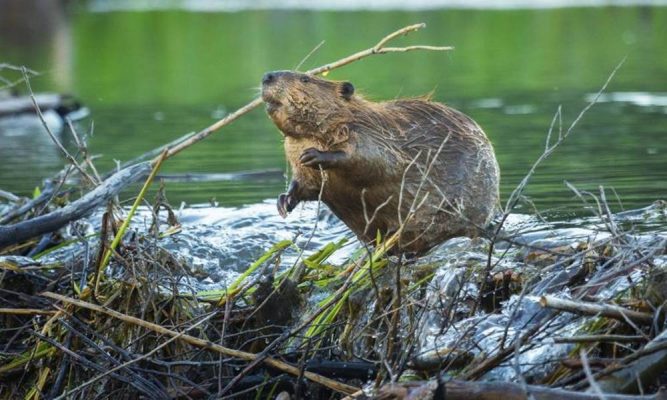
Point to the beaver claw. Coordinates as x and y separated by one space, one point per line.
314 158
288 201
286 204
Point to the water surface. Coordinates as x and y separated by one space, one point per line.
151 76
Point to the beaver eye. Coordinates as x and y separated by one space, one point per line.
305 79
347 90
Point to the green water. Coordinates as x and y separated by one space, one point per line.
149 77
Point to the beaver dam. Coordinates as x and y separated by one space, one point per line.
103 298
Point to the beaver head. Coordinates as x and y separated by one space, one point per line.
303 105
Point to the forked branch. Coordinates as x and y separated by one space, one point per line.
379 48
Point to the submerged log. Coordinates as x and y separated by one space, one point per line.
16 233
46 101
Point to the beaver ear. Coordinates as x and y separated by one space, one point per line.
346 90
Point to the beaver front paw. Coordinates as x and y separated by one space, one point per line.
288 201
314 158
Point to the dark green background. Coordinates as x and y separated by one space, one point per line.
149 77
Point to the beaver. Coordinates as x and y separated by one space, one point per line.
410 164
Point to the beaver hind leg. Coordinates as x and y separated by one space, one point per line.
314 158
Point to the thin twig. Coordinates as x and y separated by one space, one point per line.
26 311
517 193
303 60
55 140
589 375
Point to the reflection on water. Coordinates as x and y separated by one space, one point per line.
240 5
149 77
40 30
641 99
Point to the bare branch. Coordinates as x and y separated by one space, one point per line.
377 49
606 310
55 140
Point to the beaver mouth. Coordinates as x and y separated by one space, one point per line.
272 103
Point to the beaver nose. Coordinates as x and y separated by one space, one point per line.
273 76
268 78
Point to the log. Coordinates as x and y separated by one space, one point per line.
19 232
44 196
463 390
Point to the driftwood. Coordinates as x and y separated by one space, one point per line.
44 196
462 390
55 220
9 195
605 310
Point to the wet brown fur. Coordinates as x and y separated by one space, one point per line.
402 155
